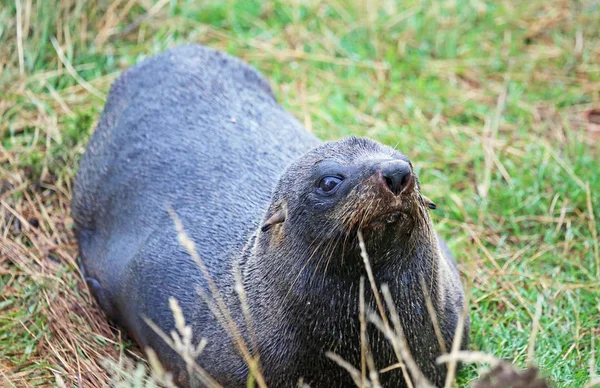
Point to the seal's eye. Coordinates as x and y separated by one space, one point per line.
329 183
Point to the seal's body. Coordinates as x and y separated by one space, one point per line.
198 132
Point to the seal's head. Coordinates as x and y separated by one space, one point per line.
340 187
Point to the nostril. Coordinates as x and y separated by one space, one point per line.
405 179
389 182
396 175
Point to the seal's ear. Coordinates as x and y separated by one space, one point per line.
430 204
277 218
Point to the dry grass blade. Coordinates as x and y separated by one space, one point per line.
151 12
469 357
365 257
400 338
222 312
488 137
158 370
354 373
188 358
20 37
395 341
363 331
561 162
594 382
6 380
593 228
239 289
433 315
126 373
86 85
456 343
534 330
594 378
373 372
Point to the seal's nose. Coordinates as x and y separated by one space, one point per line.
396 175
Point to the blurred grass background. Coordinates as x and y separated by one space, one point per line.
496 102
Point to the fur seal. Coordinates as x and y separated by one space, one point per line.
199 132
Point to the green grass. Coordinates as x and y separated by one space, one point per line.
488 98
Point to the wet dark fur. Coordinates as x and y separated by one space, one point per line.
199 131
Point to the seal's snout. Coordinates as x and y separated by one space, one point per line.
397 175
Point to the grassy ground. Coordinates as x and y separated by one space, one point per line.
496 102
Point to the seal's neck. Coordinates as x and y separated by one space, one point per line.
315 299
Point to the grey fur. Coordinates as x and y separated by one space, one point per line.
199 131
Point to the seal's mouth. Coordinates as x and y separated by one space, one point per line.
387 218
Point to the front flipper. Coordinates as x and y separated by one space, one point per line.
101 295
